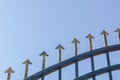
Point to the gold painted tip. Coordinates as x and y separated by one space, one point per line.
75 41
59 47
27 62
9 70
89 36
104 33
44 54
117 30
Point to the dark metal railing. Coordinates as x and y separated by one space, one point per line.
72 60
75 59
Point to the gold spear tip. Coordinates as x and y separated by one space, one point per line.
27 62
103 33
75 41
117 30
44 54
9 70
59 47
89 36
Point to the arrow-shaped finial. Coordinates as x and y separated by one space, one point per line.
104 33
60 47
26 62
75 41
9 71
90 37
43 54
118 32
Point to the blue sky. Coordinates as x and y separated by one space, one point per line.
28 27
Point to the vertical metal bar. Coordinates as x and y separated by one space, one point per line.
26 71
108 63
42 78
60 47
76 62
90 44
104 33
76 69
118 33
92 59
76 49
9 75
60 71
59 76
93 67
75 41
60 59
43 66
108 58
105 39
119 38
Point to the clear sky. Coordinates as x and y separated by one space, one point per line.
29 27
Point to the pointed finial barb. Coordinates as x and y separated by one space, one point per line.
27 62
89 36
60 47
75 41
104 33
44 54
118 32
9 70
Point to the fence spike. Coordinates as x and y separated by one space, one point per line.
75 41
104 33
26 62
118 33
9 71
90 37
60 47
43 54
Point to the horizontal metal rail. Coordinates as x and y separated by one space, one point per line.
72 60
99 72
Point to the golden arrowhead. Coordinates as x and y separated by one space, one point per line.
89 36
104 33
9 70
75 41
59 47
117 30
44 54
27 62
